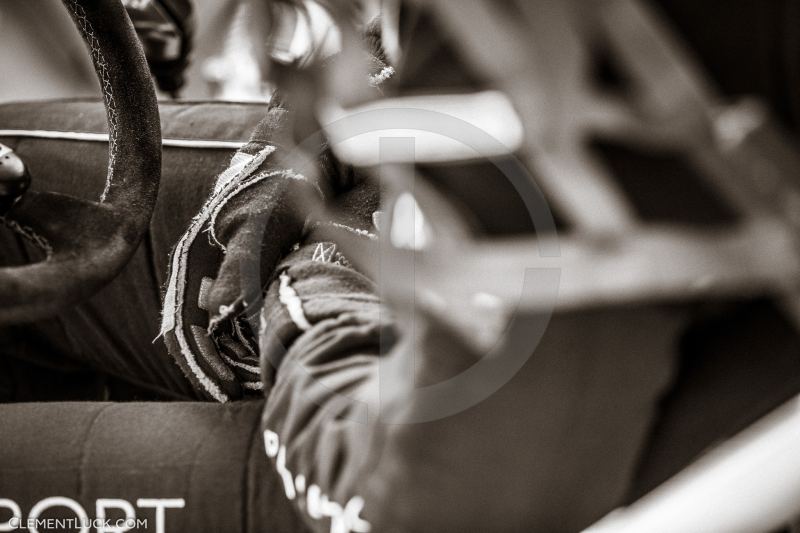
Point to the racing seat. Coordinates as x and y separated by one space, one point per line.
204 462
63 144
209 455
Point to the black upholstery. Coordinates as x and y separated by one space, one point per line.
101 332
209 455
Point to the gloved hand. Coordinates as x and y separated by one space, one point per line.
228 253
255 215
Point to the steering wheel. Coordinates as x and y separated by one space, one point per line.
86 244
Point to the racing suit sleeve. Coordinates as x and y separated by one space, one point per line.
358 450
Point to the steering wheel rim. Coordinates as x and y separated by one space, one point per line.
88 243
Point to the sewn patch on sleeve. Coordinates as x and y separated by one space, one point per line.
294 306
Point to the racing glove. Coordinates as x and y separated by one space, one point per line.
255 215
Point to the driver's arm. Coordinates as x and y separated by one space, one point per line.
563 434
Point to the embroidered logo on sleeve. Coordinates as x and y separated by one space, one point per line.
318 505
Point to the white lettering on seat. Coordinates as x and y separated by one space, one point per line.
114 503
160 504
58 501
16 514
34 522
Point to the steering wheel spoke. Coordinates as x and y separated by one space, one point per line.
79 225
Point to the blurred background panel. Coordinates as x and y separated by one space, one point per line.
43 56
